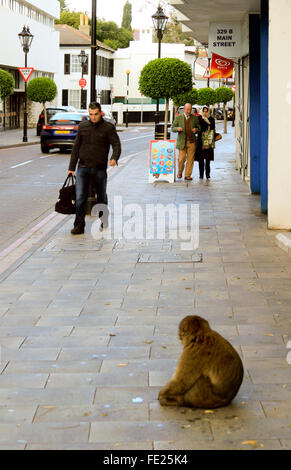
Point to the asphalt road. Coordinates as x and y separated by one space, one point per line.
30 182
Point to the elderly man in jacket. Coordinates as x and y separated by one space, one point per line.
187 125
91 149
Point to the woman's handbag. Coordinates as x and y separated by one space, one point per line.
66 204
208 140
217 137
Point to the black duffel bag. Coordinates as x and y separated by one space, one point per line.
66 204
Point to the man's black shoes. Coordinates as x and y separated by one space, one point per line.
77 230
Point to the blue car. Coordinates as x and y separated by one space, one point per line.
61 131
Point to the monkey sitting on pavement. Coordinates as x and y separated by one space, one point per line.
209 372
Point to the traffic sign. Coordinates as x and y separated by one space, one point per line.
207 73
25 72
82 82
233 88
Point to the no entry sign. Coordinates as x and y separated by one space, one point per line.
82 82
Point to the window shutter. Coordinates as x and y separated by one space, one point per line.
65 97
67 64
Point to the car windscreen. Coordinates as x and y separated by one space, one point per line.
51 113
66 119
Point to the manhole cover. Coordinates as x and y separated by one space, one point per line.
170 258
62 244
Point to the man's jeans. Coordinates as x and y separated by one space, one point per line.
83 177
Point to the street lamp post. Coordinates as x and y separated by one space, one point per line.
93 52
91 200
83 61
160 22
25 38
127 92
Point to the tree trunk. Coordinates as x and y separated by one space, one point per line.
225 118
4 112
166 119
45 116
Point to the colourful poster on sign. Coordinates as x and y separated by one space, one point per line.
221 67
162 160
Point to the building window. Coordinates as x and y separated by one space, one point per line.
74 98
75 64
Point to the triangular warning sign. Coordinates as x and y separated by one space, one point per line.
25 72
207 73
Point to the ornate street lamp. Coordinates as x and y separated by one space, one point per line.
83 58
25 38
160 22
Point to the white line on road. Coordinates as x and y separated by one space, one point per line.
21 164
140 137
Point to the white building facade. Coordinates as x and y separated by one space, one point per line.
72 42
39 16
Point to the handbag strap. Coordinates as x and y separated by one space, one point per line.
70 179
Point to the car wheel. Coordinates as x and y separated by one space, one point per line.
44 148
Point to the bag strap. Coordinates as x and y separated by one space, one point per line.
70 179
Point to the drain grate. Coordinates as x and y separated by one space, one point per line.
170 258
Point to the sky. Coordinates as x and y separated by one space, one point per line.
112 10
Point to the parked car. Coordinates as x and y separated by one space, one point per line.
230 114
50 111
218 114
195 110
107 115
61 131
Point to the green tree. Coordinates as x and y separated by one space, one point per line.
187 97
7 85
41 90
71 18
127 16
63 5
115 37
206 96
165 78
223 95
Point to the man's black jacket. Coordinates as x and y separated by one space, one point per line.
92 145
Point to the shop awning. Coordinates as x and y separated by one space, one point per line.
196 15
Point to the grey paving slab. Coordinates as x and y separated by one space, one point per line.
46 433
115 430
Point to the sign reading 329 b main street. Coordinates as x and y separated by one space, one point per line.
225 39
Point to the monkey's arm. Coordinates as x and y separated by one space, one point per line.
188 371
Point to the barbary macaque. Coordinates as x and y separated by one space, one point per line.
209 372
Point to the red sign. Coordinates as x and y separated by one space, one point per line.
82 82
233 88
25 72
221 67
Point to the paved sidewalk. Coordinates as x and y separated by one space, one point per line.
89 327
13 138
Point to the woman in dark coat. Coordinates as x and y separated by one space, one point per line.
206 155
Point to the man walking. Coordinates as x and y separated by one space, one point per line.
91 149
187 125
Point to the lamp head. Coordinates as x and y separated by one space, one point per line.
25 38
